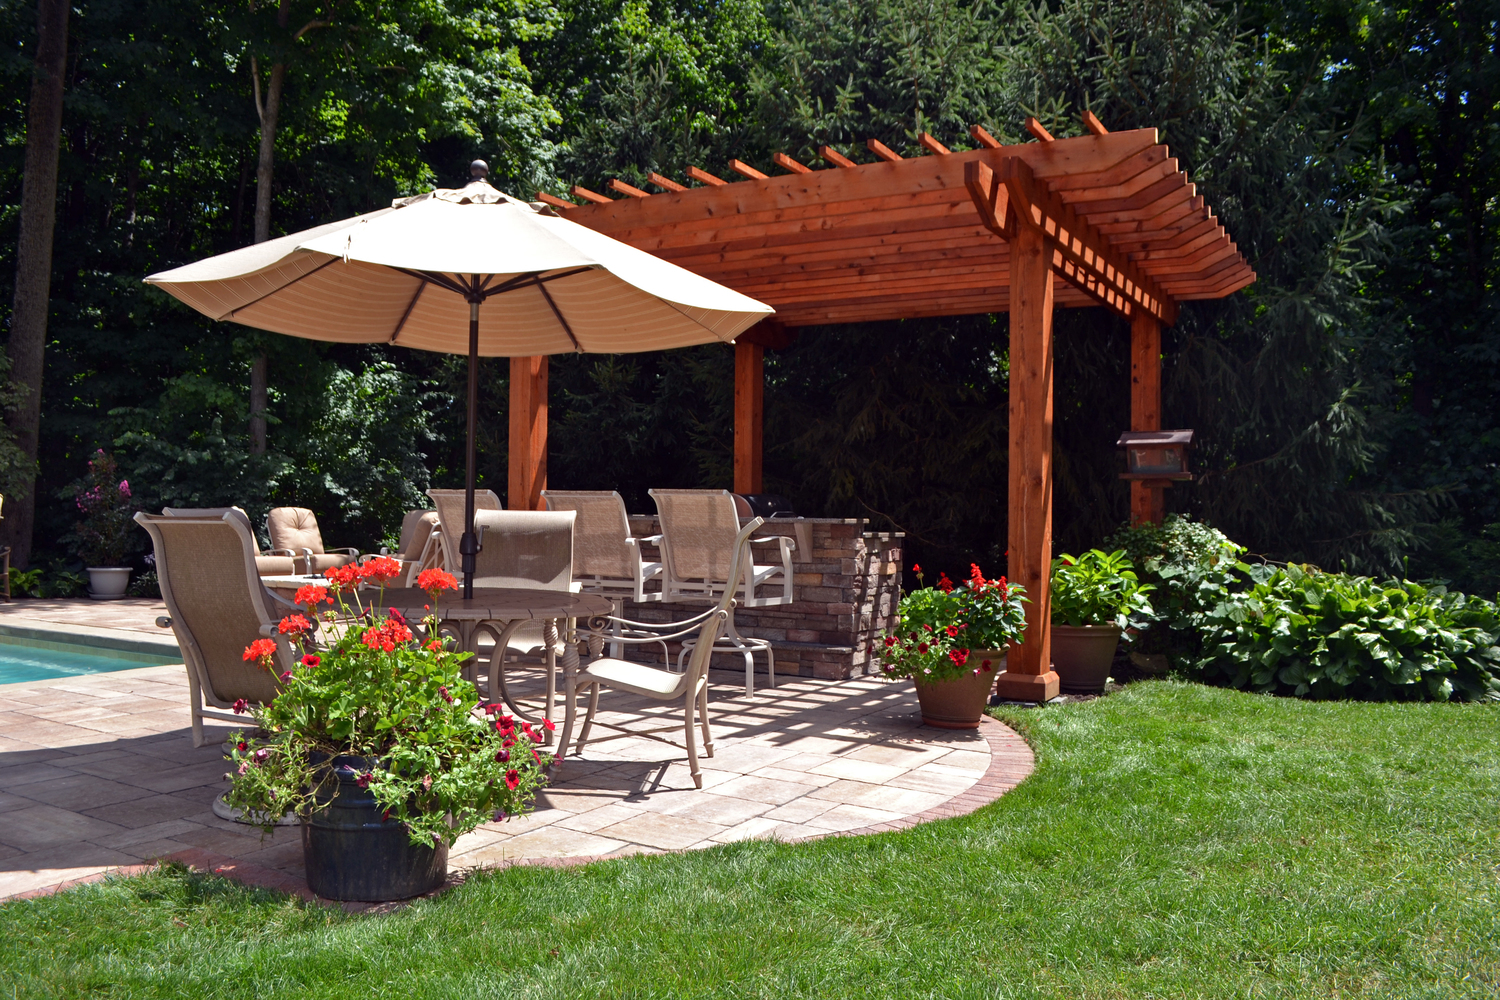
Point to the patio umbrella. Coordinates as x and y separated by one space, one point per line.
412 273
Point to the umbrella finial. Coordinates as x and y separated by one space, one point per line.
478 170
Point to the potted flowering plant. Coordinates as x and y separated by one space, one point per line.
377 743
1093 598
949 640
103 532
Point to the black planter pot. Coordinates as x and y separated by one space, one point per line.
351 853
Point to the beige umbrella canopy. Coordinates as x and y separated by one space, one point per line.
414 273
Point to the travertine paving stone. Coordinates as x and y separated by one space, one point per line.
99 772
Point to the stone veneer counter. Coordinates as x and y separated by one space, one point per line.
846 584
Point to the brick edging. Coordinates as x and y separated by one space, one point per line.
1011 762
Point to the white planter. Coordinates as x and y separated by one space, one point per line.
108 583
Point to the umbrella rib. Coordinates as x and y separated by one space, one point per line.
279 288
558 313
421 286
441 280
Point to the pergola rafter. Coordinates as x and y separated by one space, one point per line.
950 233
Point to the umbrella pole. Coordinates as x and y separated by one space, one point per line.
468 546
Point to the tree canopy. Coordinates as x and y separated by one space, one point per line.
1346 404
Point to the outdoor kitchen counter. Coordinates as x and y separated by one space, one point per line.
846 584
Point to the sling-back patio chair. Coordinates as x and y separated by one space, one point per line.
271 562
528 550
419 546
296 528
701 542
606 557
654 683
217 606
450 511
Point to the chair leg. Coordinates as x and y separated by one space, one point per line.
708 734
195 706
688 704
770 667
570 714
588 719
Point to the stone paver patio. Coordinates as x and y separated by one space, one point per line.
99 772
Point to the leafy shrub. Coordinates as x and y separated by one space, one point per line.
25 582
1194 568
1312 634
145 585
1097 588
105 531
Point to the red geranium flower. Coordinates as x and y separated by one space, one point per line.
294 625
311 660
952 631
512 779
381 569
342 578
261 651
311 595
435 581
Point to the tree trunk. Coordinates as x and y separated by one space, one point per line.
28 322
265 168
258 399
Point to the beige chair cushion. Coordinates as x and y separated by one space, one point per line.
416 528
324 560
274 565
294 528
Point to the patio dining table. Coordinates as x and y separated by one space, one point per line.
499 612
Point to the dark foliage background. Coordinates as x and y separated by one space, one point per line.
1346 403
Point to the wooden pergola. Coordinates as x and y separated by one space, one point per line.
950 233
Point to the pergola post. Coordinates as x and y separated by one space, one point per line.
1029 675
749 414
1147 503
528 432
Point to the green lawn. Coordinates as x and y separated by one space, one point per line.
1175 841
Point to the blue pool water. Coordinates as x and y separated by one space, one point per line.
24 660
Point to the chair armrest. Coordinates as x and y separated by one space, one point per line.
787 542
279 552
647 540
351 550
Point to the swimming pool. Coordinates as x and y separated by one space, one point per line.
30 659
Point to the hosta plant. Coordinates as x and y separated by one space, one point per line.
1312 634
391 692
1097 588
938 627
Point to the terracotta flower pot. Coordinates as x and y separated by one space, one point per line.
959 703
1082 654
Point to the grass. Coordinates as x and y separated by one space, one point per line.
1175 841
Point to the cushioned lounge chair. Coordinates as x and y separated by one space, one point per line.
419 547
296 529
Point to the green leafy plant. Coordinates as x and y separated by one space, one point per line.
65 583
104 531
1192 568
1312 634
939 626
395 699
145 585
25 582
1097 588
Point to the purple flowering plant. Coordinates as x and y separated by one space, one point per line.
104 530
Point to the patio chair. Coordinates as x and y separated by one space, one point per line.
272 562
606 558
604 552
450 511
296 528
531 550
217 606
419 547
700 529
654 683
